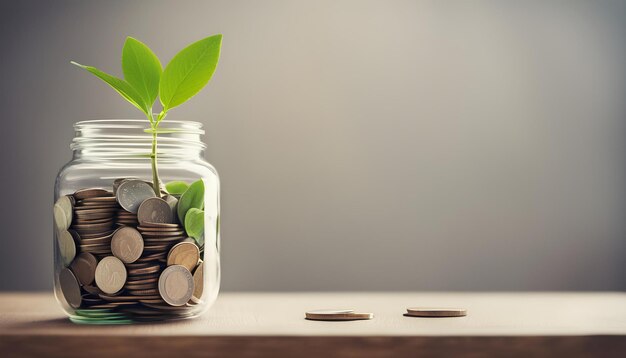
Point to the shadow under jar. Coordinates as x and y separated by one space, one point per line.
122 252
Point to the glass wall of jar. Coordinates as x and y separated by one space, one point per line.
124 253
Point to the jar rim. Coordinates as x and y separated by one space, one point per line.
190 127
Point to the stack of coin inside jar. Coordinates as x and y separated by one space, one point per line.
125 255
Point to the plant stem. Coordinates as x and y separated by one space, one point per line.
156 183
154 124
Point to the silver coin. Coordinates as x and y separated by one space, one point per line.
70 287
155 210
110 275
67 247
117 183
131 193
63 209
176 285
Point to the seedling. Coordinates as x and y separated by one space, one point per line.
145 80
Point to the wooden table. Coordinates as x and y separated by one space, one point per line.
273 324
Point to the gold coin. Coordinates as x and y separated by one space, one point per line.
127 244
436 312
110 275
186 254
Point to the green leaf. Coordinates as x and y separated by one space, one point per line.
189 71
193 197
194 224
142 69
176 187
122 87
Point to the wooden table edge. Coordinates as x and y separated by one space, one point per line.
51 345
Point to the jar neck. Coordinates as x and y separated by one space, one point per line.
130 139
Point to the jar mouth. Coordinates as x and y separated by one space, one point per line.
189 127
132 137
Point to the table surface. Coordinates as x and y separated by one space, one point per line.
256 324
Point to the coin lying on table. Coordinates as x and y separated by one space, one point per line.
110 275
436 312
176 285
127 244
131 193
67 247
63 209
84 268
155 210
337 315
70 287
184 253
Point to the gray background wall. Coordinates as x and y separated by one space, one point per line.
362 145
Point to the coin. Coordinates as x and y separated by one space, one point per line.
159 225
144 270
117 182
186 254
198 282
63 209
155 210
94 227
337 315
131 193
436 312
157 234
110 275
92 289
163 241
331 311
88 211
176 285
84 268
100 199
144 281
144 286
158 229
91 193
67 247
127 244
144 292
89 221
70 288
172 201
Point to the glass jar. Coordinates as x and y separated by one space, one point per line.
122 253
